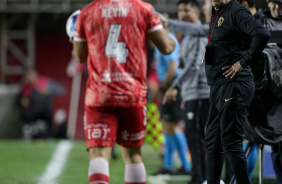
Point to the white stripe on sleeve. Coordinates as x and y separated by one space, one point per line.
79 39
158 27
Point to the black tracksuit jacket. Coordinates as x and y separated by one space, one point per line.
234 35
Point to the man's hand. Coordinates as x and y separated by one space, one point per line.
232 70
163 20
170 95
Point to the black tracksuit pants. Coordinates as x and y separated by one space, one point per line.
229 104
196 112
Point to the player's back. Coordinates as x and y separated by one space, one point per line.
116 33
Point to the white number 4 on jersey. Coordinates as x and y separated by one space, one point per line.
115 48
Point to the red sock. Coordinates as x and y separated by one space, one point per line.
98 171
99 179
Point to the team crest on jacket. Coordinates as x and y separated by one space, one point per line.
220 21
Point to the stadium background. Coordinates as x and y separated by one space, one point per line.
33 37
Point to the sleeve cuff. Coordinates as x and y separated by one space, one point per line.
156 28
246 60
177 87
175 84
171 24
79 39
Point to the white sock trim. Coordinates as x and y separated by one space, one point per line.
98 165
135 173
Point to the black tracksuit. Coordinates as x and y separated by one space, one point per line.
234 35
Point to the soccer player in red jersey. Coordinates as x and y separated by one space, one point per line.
112 35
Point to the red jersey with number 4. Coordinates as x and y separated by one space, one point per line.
116 34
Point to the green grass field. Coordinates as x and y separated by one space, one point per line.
23 162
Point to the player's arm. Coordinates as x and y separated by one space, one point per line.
163 42
80 51
185 28
170 75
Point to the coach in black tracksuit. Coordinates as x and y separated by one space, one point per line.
235 39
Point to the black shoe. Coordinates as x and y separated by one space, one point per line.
163 171
182 171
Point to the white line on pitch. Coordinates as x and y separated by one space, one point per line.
163 179
56 164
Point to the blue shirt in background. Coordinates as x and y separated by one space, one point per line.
162 61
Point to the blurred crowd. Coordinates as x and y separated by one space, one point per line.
36 104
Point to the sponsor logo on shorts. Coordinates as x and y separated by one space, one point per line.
132 137
98 131
125 135
137 136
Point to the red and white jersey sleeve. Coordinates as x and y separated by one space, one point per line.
116 34
79 30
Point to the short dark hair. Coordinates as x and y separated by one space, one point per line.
194 4
250 2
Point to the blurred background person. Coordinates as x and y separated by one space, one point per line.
60 117
273 17
194 89
272 20
170 113
250 4
36 103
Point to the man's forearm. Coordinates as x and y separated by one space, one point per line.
259 41
168 79
188 28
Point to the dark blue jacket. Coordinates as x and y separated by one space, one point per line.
234 35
